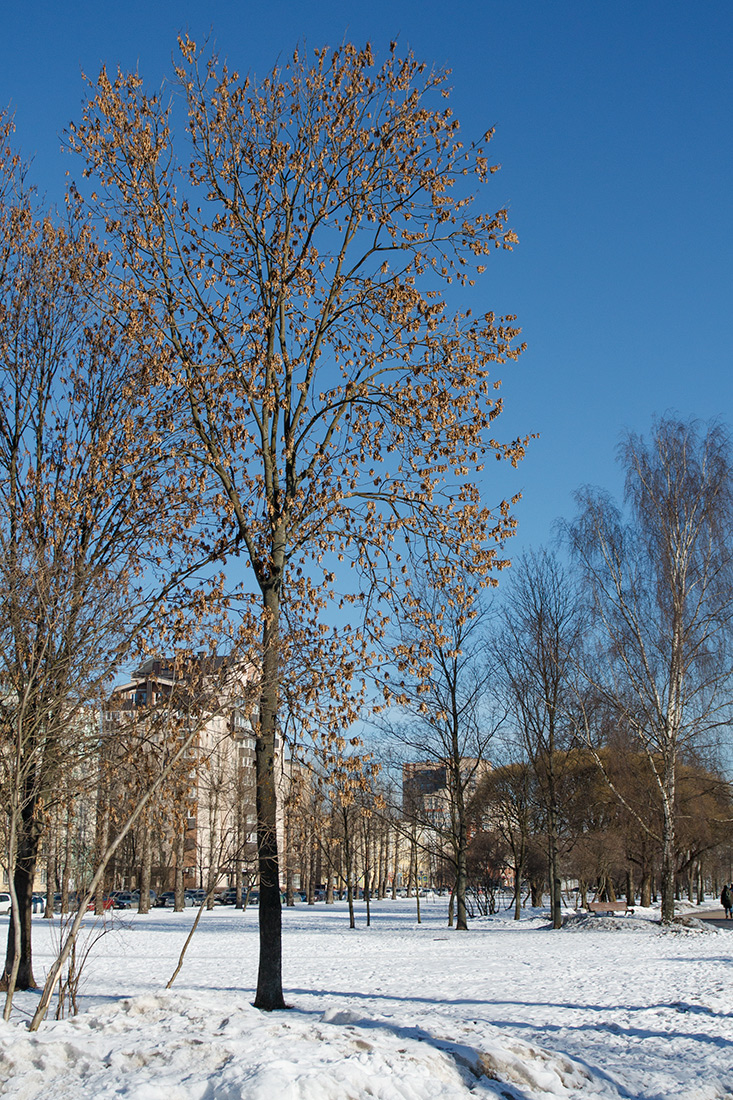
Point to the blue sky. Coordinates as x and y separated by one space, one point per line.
613 128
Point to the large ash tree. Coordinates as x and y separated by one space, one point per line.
292 244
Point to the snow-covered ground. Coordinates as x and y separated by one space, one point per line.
610 1007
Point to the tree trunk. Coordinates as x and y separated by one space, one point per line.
518 890
29 840
367 897
417 881
143 905
668 845
348 860
461 878
630 896
50 875
269 995
311 890
552 844
66 869
317 869
645 890
288 856
102 840
461 868
179 900
410 862
382 871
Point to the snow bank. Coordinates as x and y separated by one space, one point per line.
399 1011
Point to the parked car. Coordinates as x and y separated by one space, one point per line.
73 901
136 896
123 899
253 898
5 903
107 903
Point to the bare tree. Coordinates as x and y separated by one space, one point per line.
96 532
505 798
660 588
538 650
445 686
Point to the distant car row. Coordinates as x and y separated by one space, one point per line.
129 899
167 900
198 897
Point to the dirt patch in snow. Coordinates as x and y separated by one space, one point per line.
589 922
690 924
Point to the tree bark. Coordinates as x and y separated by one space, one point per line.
669 863
288 853
348 859
645 892
460 831
50 875
518 890
66 869
179 888
143 905
29 839
269 995
417 881
461 879
552 839
102 840
630 896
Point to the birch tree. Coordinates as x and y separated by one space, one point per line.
660 588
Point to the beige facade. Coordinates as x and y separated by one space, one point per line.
427 799
204 818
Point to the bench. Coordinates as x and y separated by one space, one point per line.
609 907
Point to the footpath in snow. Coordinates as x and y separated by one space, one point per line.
605 1007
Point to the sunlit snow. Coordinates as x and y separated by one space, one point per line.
605 1007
